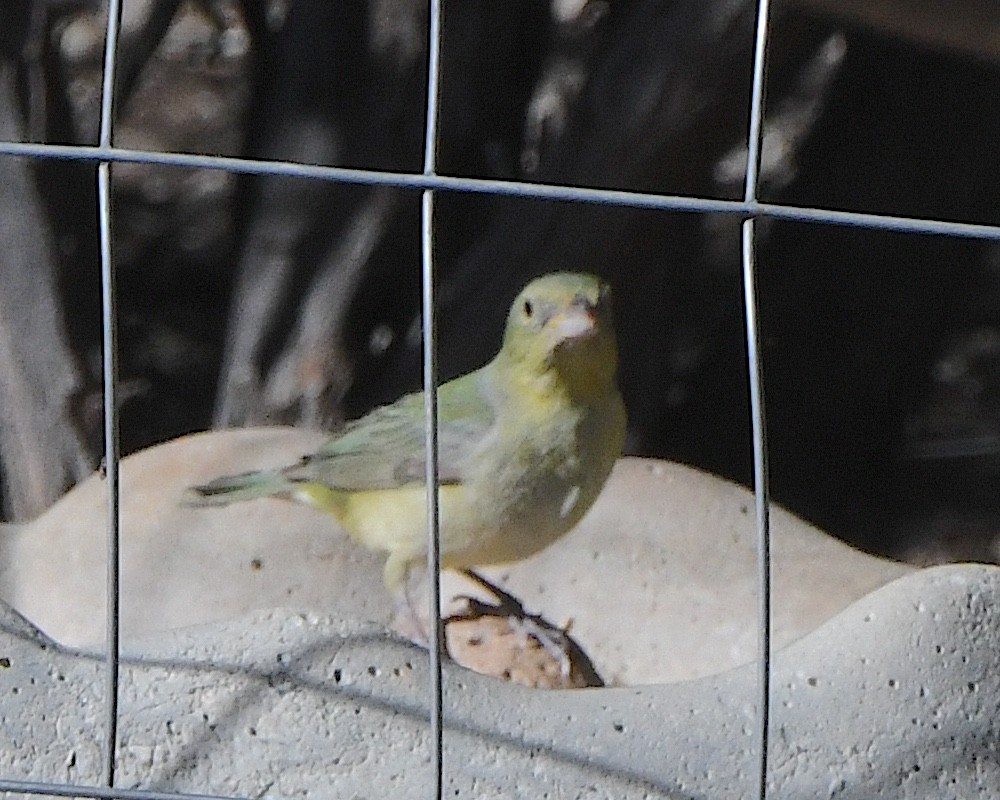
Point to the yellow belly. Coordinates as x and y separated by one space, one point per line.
395 522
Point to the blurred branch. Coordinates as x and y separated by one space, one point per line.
42 449
335 87
316 369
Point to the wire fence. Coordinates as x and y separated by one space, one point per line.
749 209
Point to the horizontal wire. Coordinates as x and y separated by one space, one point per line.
100 792
539 191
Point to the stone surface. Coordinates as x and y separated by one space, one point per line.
659 580
885 693
181 565
894 697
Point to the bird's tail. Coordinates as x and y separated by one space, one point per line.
234 488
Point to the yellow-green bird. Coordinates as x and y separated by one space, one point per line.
525 444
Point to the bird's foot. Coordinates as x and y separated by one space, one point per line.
503 639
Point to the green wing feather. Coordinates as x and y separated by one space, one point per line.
385 448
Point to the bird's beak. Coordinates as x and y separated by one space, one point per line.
575 321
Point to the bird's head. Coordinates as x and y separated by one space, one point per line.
561 325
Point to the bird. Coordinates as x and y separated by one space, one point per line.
526 443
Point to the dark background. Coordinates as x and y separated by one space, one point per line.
276 300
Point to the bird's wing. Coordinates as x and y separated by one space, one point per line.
385 448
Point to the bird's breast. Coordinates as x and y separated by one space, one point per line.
538 476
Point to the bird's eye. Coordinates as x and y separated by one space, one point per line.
529 309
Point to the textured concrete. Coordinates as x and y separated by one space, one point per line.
659 579
897 696
877 692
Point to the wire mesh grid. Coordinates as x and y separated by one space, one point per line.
750 209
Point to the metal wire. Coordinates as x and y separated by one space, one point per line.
755 139
109 357
430 406
757 416
540 191
100 792
761 506
105 154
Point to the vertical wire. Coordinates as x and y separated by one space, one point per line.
761 505
109 357
757 415
430 403
754 136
